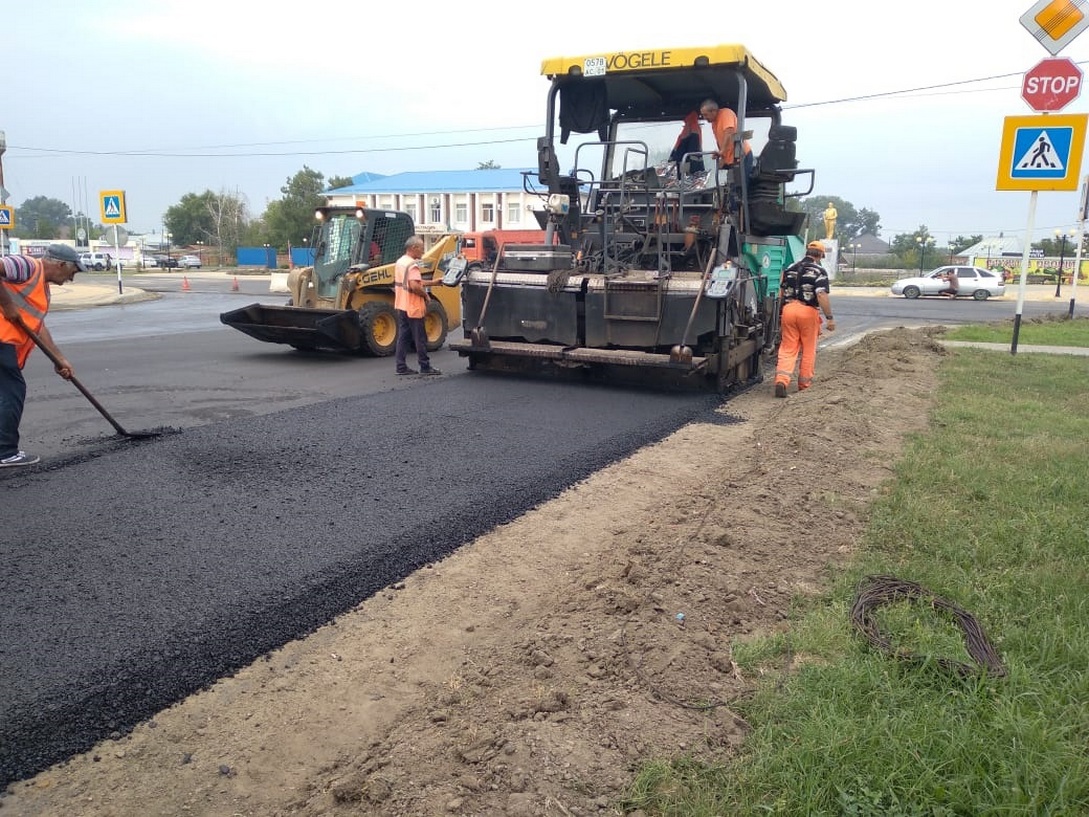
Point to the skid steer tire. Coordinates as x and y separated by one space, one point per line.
378 324
435 325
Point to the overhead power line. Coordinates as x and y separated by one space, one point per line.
201 152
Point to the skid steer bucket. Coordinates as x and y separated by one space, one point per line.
332 329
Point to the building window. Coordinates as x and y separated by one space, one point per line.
410 208
514 212
461 212
487 212
435 212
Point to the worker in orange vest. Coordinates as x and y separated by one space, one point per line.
24 302
410 297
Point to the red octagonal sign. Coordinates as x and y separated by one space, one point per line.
1051 85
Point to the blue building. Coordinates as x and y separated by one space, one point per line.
439 200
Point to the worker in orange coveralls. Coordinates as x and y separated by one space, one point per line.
805 296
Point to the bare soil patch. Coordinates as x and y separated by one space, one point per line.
531 672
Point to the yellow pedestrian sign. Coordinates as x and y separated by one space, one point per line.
111 203
1041 152
7 218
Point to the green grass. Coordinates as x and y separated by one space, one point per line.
1034 331
990 510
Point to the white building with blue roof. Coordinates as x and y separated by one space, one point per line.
464 200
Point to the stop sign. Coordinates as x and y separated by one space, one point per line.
1051 85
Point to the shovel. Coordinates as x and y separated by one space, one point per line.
138 435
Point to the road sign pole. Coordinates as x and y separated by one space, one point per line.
1024 271
1082 214
117 257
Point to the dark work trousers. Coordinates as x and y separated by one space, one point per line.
12 398
410 332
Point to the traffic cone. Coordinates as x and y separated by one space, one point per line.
234 286
185 284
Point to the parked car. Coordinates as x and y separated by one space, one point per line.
150 262
167 261
96 260
189 261
981 284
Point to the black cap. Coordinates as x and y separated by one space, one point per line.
62 252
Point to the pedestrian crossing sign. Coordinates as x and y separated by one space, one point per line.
1041 152
7 218
111 203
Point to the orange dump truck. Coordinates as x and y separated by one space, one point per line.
481 249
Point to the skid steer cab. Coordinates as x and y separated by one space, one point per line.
344 302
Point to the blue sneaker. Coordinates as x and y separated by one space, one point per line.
20 458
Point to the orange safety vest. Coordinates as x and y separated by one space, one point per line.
415 306
32 298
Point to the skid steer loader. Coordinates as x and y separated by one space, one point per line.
344 302
651 271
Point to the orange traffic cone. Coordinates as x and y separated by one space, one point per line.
185 284
234 286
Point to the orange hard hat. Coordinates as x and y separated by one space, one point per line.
814 246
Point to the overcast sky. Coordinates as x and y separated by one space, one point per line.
161 97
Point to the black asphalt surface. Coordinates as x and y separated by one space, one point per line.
135 577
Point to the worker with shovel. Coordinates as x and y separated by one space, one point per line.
24 302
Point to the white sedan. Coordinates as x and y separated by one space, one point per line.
979 283
189 262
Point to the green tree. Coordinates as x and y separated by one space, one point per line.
913 249
43 217
850 222
488 165
217 219
339 181
289 220
190 220
964 242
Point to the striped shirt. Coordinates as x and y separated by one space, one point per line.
17 268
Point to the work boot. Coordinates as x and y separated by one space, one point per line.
431 370
780 390
407 371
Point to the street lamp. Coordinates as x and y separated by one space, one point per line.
923 243
952 249
854 248
1062 257
200 252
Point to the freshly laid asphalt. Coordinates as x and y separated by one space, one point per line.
136 577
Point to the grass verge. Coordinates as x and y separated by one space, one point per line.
1044 331
989 511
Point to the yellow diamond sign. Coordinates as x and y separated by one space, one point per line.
1055 23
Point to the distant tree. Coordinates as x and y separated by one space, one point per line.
289 220
42 217
339 181
190 220
488 165
964 242
217 219
850 222
909 247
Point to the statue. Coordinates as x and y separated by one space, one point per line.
830 221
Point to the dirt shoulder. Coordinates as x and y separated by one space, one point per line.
532 671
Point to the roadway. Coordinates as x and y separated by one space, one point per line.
283 489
